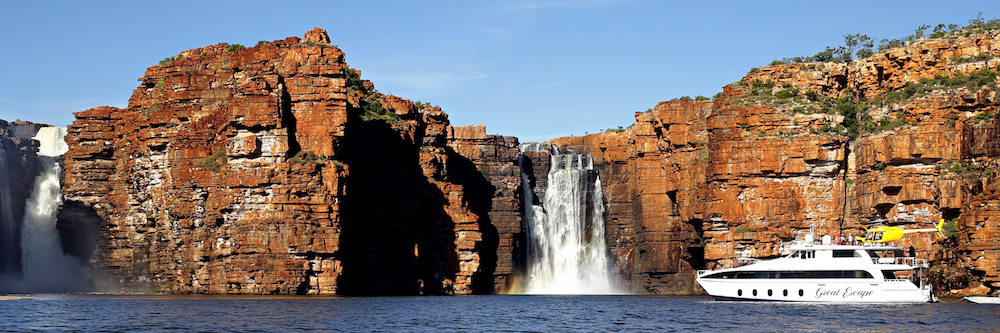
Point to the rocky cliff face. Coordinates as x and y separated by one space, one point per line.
907 135
19 162
276 169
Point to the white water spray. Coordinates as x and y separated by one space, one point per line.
567 249
45 268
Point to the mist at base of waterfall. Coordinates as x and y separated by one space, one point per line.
45 268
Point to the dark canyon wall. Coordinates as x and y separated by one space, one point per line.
18 168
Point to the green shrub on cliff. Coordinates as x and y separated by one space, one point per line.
167 61
151 109
950 227
859 46
304 157
787 93
354 82
215 160
973 82
372 110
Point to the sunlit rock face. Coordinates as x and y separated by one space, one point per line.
699 184
274 169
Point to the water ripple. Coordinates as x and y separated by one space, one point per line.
96 313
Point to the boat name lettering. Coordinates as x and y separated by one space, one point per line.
857 293
847 292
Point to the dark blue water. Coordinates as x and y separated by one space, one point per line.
95 313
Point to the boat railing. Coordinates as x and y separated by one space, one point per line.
737 262
740 262
909 261
898 280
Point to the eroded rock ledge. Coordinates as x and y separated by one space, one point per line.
699 184
275 169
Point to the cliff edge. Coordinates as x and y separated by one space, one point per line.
275 169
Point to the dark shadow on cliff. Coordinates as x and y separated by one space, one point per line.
79 228
18 169
396 238
479 193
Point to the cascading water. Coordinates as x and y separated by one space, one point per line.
566 245
44 266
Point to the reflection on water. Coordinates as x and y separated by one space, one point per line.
97 313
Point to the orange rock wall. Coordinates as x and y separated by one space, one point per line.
264 170
255 171
694 185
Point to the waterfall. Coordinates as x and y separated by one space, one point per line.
45 268
566 244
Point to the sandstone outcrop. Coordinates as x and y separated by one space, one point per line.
275 169
694 185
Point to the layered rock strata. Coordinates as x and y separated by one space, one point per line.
695 185
276 170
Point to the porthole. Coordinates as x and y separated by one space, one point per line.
755 292
785 292
769 293
739 292
801 293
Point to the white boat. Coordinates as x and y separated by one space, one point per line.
825 273
983 299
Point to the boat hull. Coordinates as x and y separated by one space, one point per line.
983 299
899 291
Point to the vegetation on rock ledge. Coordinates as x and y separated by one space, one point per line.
215 160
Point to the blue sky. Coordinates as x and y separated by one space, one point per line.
535 69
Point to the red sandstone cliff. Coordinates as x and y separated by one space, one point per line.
696 185
276 169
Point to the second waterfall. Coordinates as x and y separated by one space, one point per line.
564 218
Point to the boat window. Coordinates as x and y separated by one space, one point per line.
831 274
873 254
845 254
722 275
804 254
889 275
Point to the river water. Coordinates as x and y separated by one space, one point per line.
104 313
